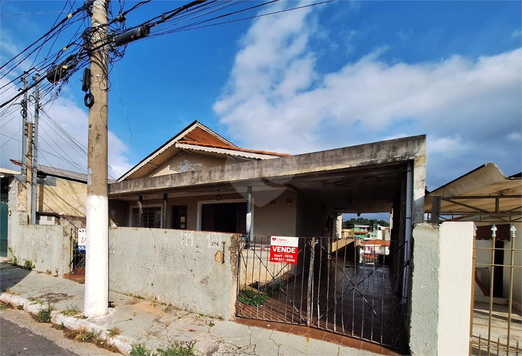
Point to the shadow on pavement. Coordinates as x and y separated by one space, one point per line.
10 276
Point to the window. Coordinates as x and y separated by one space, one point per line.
150 217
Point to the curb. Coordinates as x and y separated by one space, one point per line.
123 344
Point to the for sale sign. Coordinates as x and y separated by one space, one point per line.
284 249
82 239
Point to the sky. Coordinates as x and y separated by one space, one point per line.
322 77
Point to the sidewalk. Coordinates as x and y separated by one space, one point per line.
157 325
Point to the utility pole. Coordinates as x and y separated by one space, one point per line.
97 253
29 178
34 181
24 127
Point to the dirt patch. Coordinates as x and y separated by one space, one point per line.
54 297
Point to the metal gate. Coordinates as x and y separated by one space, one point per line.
496 325
3 218
335 286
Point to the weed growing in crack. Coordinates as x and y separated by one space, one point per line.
177 348
44 314
140 350
90 336
71 309
114 332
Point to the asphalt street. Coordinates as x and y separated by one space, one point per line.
21 335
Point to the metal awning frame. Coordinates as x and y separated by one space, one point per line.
511 215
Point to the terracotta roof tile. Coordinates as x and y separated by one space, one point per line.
235 148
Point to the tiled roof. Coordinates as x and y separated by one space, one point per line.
235 148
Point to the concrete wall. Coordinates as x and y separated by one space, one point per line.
310 217
441 289
184 268
47 248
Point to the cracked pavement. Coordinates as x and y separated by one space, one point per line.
153 324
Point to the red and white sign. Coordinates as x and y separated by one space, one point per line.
284 249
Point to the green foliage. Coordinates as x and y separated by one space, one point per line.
14 261
20 307
60 327
140 350
44 314
252 297
179 348
348 224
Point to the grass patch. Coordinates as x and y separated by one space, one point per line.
140 350
90 336
251 297
177 348
44 314
4 306
114 332
59 327
71 309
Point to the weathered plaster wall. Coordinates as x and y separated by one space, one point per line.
440 305
47 248
61 196
183 268
185 162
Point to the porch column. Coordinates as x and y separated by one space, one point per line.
249 219
140 210
164 213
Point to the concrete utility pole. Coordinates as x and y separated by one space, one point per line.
34 181
29 178
97 254
24 127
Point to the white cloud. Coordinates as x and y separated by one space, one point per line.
56 149
277 100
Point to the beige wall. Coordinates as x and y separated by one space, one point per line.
54 196
61 196
184 162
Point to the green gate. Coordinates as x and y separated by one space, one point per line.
3 218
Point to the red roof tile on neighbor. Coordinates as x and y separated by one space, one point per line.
376 242
234 148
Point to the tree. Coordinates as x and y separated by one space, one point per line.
348 224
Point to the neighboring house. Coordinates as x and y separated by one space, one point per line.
47 243
494 203
372 251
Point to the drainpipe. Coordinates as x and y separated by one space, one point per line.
407 233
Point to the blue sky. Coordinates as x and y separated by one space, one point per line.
329 76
